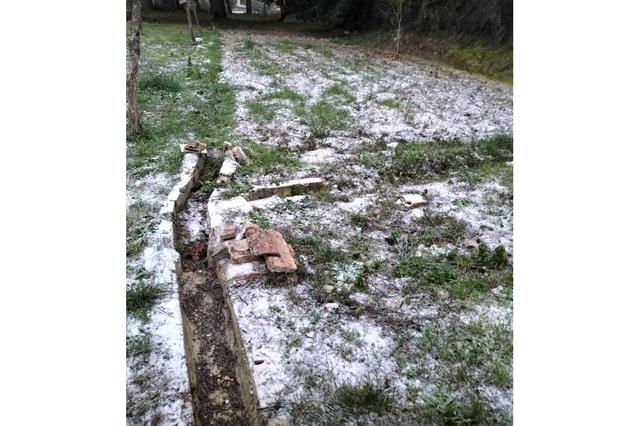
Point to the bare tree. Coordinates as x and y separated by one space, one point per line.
187 8
134 65
194 11
398 9
249 7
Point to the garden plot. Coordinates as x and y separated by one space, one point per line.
400 309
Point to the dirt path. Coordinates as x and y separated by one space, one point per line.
216 396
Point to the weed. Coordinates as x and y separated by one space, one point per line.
365 397
287 46
259 219
248 45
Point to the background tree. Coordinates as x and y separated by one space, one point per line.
398 8
187 8
194 11
134 64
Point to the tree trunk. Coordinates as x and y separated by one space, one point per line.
194 10
249 7
187 7
283 10
211 14
134 64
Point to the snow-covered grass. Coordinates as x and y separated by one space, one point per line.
398 313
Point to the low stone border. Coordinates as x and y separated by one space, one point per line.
165 325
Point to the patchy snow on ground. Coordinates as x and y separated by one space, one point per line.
293 339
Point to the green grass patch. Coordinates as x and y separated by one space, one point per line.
461 276
140 222
159 82
265 159
389 103
138 345
261 111
205 107
286 46
284 93
478 58
141 297
441 159
341 91
323 118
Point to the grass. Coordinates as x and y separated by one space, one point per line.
389 103
284 93
461 276
442 159
138 345
259 219
287 46
139 224
141 297
205 107
261 111
270 160
482 59
340 91
323 118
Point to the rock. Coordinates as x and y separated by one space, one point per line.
331 306
228 232
230 273
278 422
222 180
240 155
229 167
413 200
265 243
258 361
310 334
283 263
193 146
239 252
287 189
328 288
227 146
469 243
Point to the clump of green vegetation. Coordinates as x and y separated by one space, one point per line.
248 44
141 297
322 118
441 409
138 345
364 397
479 58
340 90
269 160
390 103
139 224
205 107
261 111
159 82
285 45
445 158
461 276
259 219
285 93
360 220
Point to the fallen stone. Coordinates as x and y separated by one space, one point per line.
258 361
227 146
194 147
229 167
228 232
287 189
230 273
331 305
239 252
413 200
282 264
469 243
328 288
240 155
266 243
222 180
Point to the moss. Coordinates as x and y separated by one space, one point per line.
482 59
